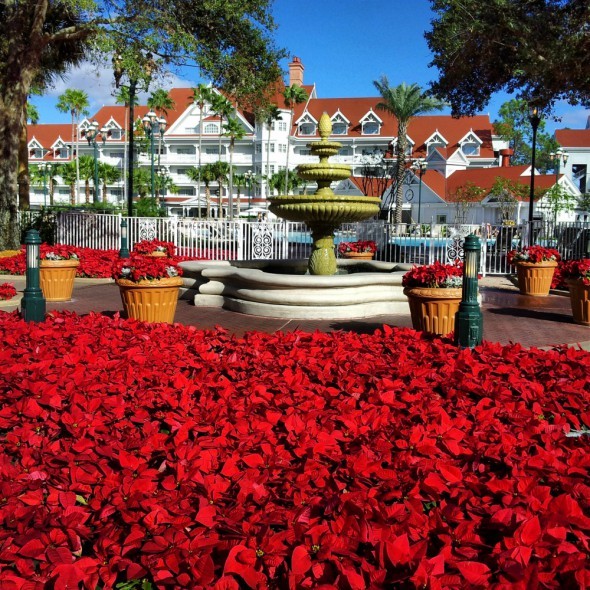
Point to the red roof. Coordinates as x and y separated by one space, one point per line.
48 134
419 130
485 178
573 137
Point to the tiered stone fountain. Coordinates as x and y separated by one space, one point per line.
323 211
332 289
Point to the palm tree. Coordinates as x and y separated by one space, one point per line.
293 95
68 175
270 115
222 108
221 171
239 181
277 182
109 174
201 96
76 103
403 102
235 131
205 174
86 173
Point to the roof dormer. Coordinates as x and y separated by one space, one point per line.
371 124
470 144
436 140
115 131
306 124
340 124
36 150
61 150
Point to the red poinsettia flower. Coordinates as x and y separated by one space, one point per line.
436 275
533 254
7 291
360 246
144 268
150 246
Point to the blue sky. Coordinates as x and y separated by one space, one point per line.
344 46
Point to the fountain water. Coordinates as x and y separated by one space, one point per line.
277 288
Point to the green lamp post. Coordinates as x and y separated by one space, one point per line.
469 319
33 303
124 251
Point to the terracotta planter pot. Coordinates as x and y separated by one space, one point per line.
580 300
534 278
157 254
359 255
150 301
57 278
433 310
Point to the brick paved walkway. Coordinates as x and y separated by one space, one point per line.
508 316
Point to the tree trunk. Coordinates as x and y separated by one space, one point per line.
201 107
51 191
288 151
24 182
12 98
400 171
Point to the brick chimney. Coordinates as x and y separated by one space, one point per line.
506 155
296 72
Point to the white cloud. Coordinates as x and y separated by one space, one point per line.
99 83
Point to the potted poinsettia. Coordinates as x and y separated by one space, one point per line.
535 266
577 276
156 248
57 271
434 293
364 249
149 287
7 291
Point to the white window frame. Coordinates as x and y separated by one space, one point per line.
211 129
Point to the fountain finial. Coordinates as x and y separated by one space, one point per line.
325 126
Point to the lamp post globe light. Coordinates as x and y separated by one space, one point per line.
420 166
153 125
534 119
92 135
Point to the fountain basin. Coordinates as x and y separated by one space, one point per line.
278 289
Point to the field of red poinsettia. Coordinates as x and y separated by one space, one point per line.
156 456
94 264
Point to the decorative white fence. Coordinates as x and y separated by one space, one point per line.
221 239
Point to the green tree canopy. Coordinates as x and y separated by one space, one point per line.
229 41
515 127
538 49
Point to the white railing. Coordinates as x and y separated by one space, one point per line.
222 239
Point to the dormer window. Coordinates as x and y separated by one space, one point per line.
370 128
371 124
115 133
211 129
37 153
339 129
470 144
307 129
62 152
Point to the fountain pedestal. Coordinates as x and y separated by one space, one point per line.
324 211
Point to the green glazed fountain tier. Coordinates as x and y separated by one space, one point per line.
330 209
326 172
324 149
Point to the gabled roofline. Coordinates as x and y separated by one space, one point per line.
341 114
303 115
467 135
368 114
435 134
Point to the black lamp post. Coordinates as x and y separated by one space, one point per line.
534 119
152 126
33 303
420 166
92 135
469 319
